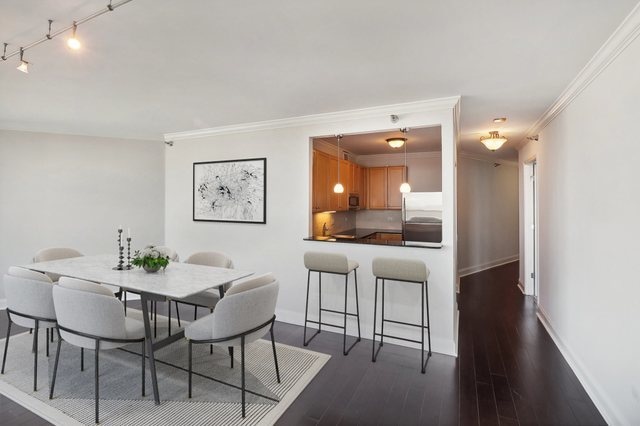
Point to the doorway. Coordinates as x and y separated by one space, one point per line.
531 284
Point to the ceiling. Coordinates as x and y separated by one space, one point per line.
423 139
158 66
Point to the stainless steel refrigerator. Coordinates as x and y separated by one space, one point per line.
422 217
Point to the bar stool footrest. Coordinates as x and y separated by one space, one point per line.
399 338
338 312
406 323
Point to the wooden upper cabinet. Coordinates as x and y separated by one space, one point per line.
384 187
395 177
377 194
364 187
354 174
320 193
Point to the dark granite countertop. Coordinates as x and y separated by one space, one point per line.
358 236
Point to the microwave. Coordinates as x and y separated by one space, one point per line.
354 202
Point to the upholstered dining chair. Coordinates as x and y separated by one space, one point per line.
209 298
244 315
30 305
91 318
58 253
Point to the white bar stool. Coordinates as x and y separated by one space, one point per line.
403 270
338 264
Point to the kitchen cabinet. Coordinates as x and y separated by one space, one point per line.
354 179
320 193
384 187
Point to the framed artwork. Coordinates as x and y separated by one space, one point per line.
230 191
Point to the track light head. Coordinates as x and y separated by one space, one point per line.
73 42
24 65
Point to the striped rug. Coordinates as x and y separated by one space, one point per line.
216 394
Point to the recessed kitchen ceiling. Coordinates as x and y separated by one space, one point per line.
158 66
423 139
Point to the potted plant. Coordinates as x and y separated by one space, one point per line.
151 259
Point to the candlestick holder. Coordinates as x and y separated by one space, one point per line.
120 266
129 253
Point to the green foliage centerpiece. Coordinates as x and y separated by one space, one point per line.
151 259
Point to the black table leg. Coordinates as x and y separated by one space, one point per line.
149 342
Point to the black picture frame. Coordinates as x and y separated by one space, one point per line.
237 187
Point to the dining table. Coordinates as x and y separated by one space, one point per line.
177 281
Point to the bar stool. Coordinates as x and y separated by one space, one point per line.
403 270
331 263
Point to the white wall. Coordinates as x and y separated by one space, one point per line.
487 214
278 245
589 209
63 190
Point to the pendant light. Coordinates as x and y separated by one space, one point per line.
396 142
405 187
24 65
73 42
338 188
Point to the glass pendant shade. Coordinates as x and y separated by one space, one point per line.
396 142
494 141
24 67
74 43
405 187
338 189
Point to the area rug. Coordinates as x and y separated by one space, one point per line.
216 386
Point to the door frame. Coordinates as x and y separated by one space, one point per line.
531 228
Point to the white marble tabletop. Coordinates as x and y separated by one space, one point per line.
179 280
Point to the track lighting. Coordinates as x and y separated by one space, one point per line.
73 42
338 188
24 65
405 187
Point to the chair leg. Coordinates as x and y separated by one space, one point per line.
319 302
47 344
195 313
81 359
306 311
6 342
178 314
155 319
355 277
169 316
382 323
344 330
51 335
144 355
55 368
243 383
375 313
211 345
97 384
422 366
275 357
190 364
125 302
231 355
426 294
35 356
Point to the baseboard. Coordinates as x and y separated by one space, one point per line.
488 265
439 345
3 304
602 403
521 287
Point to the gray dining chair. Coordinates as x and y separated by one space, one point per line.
30 305
209 298
245 314
91 318
59 253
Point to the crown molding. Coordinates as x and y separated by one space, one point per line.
305 120
621 38
486 159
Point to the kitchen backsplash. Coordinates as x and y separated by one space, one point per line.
379 219
336 222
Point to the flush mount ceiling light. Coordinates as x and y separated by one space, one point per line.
338 188
500 120
405 187
494 141
24 65
396 142
72 42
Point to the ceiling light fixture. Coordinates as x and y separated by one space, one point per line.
405 187
4 52
500 120
73 42
49 36
338 188
24 65
396 142
494 141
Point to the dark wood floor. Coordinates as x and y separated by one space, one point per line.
509 372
